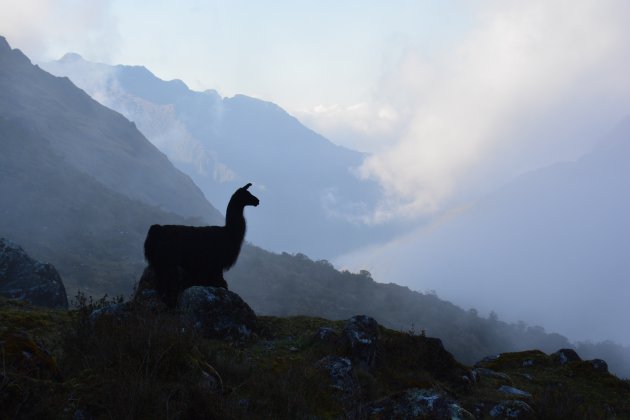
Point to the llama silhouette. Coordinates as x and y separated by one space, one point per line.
184 256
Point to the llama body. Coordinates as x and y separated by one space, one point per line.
185 256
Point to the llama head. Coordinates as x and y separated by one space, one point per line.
243 197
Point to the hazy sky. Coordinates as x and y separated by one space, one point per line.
452 97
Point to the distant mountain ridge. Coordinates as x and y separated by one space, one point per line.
127 162
311 200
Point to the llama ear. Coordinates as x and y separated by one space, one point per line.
247 186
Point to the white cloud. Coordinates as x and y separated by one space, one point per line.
46 29
526 86
364 126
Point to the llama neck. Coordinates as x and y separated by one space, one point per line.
234 219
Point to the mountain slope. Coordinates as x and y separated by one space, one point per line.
311 200
550 248
91 234
80 129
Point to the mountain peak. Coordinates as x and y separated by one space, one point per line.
4 45
71 57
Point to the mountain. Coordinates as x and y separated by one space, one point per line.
79 184
550 248
94 139
93 234
311 200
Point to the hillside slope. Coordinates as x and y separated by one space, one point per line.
91 234
297 367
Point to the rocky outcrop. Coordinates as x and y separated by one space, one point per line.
512 409
21 277
564 356
361 338
418 403
217 313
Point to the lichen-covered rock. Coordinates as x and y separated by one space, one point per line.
510 390
361 337
343 381
512 409
599 365
418 403
489 373
564 356
340 370
217 313
326 334
23 278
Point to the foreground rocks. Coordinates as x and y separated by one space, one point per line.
217 313
212 357
214 312
21 277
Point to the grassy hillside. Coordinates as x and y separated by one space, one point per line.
146 366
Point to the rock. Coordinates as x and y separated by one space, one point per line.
599 365
23 278
217 313
326 334
489 373
418 403
564 356
513 409
340 370
513 391
22 354
360 334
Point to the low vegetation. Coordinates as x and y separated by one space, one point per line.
67 364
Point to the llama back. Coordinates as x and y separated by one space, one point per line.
178 244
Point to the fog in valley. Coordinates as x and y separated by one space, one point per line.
484 159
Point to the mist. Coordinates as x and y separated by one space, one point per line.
497 143
548 248
529 84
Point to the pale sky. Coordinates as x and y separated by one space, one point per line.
452 97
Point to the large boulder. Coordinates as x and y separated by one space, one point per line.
217 313
21 277
361 338
564 356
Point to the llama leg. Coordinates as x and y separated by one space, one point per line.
168 280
